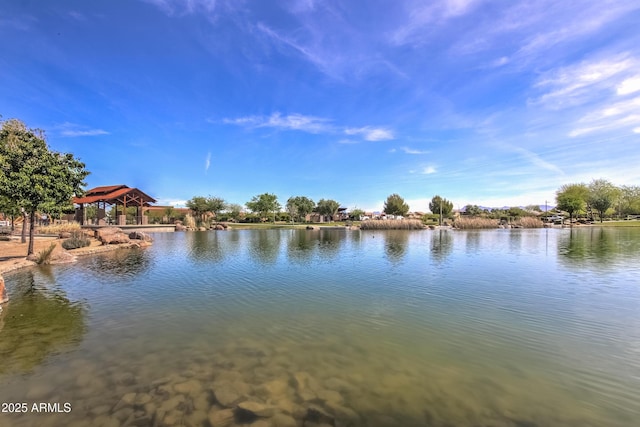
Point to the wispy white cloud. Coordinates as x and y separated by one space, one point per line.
577 84
371 133
312 124
207 162
171 7
74 130
297 122
636 130
614 116
408 150
77 16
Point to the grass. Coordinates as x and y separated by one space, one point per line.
629 223
392 224
77 240
474 223
59 228
44 256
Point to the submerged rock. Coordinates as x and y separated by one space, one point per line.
3 291
257 409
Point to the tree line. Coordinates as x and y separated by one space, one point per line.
600 196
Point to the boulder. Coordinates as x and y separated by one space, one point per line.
310 227
202 229
257 409
139 235
221 417
229 394
3 291
219 227
180 227
64 235
111 235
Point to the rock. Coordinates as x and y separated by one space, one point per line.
111 235
274 388
310 227
262 423
218 227
283 420
139 235
317 415
221 417
257 409
180 227
202 229
191 387
64 235
230 394
3 291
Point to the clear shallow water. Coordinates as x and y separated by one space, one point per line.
433 328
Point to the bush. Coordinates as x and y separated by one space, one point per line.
77 240
59 228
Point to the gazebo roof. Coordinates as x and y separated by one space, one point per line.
115 194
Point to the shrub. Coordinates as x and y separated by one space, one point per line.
466 223
44 256
392 224
77 240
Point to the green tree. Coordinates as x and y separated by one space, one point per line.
300 206
630 200
216 205
472 210
266 205
395 205
234 210
32 175
199 206
169 212
440 206
9 209
602 196
356 214
328 207
572 198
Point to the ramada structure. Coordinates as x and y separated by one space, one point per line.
119 196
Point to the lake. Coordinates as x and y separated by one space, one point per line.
513 328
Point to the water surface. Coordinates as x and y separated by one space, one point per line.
408 328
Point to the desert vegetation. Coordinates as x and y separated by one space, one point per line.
475 223
392 224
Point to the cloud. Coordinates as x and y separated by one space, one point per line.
178 203
408 150
172 7
371 133
636 130
577 84
74 130
297 122
628 86
428 170
207 162
311 124
615 116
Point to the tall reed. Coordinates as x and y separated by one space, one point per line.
473 223
528 222
392 224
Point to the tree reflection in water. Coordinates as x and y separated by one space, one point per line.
38 322
121 263
265 245
395 244
597 245
441 245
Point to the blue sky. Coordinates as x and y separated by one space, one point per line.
484 102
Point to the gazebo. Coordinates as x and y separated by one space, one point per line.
118 195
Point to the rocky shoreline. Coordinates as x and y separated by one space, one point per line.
103 240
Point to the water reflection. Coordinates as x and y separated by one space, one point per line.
597 245
330 243
205 246
301 245
265 245
441 244
38 321
121 264
395 244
